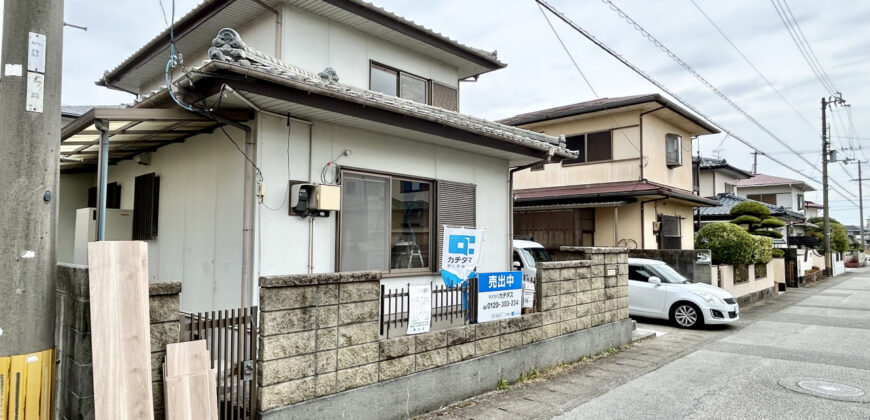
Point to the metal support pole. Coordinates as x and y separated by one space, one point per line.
861 206
827 217
102 178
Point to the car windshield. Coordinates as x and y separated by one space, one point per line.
668 274
536 255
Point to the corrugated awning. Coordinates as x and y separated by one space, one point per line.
131 131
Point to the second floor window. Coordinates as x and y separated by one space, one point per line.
800 201
593 147
674 150
395 82
764 198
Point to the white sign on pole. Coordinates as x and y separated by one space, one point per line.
36 52
499 295
35 92
460 254
420 310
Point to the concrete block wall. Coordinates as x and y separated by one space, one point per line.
75 386
319 333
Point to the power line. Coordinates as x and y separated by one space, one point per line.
792 32
809 47
571 56
749 62
709 85
659 85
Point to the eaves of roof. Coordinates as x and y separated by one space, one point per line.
616 190
604 104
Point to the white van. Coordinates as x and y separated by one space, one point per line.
526 255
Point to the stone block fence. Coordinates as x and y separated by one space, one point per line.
75 385
321 355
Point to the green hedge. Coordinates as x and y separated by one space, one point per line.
762 249
728 243
746 220
777 253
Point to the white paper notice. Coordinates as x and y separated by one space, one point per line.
35 91
36 52
419 313
12 70
528 294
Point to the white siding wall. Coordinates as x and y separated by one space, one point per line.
314 43
72 195
284 239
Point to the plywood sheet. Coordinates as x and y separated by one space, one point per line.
120 334
186 358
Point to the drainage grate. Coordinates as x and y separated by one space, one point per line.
825 389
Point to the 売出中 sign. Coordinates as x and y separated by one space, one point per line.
460 254
499 295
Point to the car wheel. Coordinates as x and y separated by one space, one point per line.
686 315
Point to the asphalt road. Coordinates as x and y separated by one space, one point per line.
803 355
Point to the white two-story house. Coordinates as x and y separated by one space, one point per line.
778 191
341 95
631 185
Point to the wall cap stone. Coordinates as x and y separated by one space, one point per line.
296 280
595 249
164 288
564 264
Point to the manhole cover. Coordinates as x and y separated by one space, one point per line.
826 389
831 388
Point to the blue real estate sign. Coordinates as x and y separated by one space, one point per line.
499 296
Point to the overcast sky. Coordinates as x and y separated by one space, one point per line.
540 74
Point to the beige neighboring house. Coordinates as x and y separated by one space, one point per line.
716 176
812 209
632 184
783 192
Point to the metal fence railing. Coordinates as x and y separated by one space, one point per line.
450 306
231 338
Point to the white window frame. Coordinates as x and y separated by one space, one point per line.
433 237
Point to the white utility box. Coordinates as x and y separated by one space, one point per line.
119 227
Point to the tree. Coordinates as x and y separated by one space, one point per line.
839 238
728 244
756 218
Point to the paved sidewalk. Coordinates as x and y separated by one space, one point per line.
566 388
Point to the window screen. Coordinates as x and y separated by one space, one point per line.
764 198
669 233
413 88
365 212
598 146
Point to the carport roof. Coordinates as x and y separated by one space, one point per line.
131 131
610 190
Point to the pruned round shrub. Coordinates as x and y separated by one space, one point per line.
746 220
762 249
777 253
772 222
768 233
752 208
728 243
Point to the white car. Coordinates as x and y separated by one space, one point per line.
656 290
526 255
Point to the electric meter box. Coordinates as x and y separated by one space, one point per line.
327 197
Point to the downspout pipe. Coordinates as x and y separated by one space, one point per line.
511 172
102 175
279 29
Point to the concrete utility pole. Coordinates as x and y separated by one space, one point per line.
29 160
834 99
755 162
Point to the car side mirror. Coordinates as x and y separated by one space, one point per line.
654 280
517 264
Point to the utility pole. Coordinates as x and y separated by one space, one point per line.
754 162
29 161
834 99
861 206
